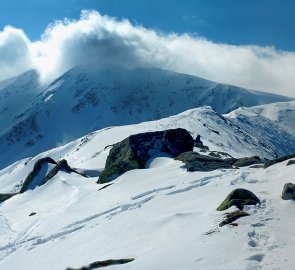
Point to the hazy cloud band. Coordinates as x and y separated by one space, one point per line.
105 40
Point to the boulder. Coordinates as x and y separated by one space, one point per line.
247 161
220 154
288 192
239 197
36 170
277 160
100 264
134 151
233 216
36 178
61 166
199 144
196 162
257 166
290 162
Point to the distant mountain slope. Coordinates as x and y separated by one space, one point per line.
17 95
86 99
273 123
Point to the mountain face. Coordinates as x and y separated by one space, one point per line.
86 98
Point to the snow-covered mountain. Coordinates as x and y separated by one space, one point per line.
87 98
273 123
162 216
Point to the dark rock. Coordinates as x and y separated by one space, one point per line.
37 168
105 186
220 154
61 166
196 162
290 162
6 196
233 216
288 192
257 166
277 160
100 264
134 151
247 161
199 144
32 214
239 197
230 161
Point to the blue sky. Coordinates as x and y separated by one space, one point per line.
238 22
248 43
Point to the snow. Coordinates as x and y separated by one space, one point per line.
162 216
159 216
87 98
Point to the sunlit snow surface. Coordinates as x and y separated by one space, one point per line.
162 216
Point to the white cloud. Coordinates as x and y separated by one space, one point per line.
14 52
104 40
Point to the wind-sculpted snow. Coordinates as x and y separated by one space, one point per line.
159 212
86 99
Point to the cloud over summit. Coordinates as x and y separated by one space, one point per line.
103 40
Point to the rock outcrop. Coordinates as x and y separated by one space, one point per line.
100 264
288 192
61 166
6 196
196 162
199 144
247 161
233 216
134 151
239 197
290 162
277 160
37 177
36 170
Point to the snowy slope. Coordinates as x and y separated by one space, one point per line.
272 122
17 95
86 99
217 132
162 216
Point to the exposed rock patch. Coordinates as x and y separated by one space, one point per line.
199 144
233 216
247 161
134 151
4 196
239 197
290 162
61 166
36 170
288 192
277 160
219 154
41 163
100 264
196 162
